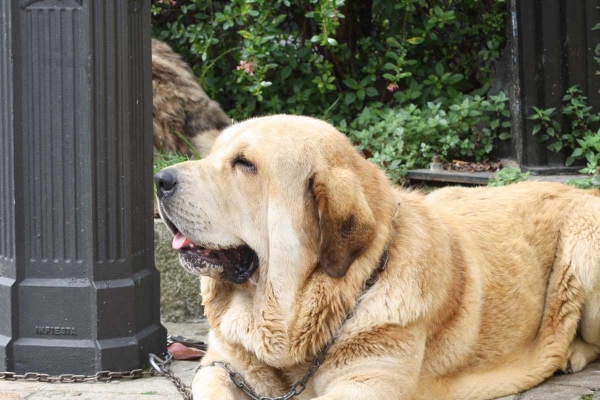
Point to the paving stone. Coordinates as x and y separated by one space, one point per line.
555 392
196 330
565 387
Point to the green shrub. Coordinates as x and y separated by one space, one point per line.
582 141
332 58
508 176
580 183
407 137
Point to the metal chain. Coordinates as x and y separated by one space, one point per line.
159 367
297 388
102 376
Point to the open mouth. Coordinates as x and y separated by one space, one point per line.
234 264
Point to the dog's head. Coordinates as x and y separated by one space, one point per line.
278 196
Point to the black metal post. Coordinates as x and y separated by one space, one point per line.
78 289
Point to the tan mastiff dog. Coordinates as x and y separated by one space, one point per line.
308 253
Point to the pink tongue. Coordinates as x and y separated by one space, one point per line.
180 241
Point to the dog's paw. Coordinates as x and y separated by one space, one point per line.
575 363
213 383
580 354
565 368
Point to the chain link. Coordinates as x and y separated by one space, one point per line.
159 367
102 376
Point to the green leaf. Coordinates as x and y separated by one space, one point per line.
351 83
589 156
286 72
536 129
372 92
439 69
350 97
597 27
360 94
438 11
415 40
504 136
570 161
392 41
556 125
455 78
332 41
245 34
279 20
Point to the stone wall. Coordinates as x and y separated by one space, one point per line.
179 290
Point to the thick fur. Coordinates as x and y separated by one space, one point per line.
483 294
180 105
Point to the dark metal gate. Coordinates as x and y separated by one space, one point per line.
78 289
551 48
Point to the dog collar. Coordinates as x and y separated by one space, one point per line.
380 268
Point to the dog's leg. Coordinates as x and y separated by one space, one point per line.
355 371
582 245
590 319
214 382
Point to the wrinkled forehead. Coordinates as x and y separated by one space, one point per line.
237 136
272 143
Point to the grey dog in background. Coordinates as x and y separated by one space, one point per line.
181 106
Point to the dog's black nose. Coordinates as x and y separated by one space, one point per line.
165 182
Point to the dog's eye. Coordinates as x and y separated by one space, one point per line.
244 165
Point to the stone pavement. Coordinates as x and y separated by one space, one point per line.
584 385
154 388
581 386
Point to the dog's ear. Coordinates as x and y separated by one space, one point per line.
346 222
